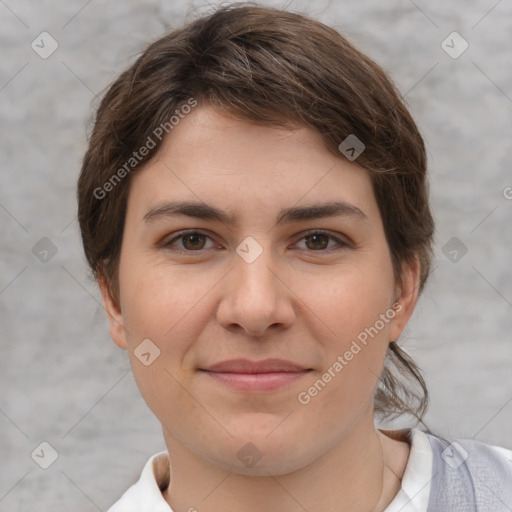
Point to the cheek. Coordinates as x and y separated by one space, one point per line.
159 305
353 307
170 308
158 300
351 300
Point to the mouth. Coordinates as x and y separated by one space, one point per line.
246 375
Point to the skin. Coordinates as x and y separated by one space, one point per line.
299 301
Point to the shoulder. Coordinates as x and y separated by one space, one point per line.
471 452
468 472
146 494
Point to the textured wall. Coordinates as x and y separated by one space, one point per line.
63 381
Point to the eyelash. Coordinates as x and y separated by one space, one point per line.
168 244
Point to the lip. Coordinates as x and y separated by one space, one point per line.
246 375
248 366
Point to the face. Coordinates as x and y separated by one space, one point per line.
249 242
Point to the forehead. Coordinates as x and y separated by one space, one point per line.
212 157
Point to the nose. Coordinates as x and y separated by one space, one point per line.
256 297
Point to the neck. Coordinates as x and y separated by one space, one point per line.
361 472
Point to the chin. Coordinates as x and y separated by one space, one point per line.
263 456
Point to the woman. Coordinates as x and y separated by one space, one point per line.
254 206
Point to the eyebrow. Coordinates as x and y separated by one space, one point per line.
204 211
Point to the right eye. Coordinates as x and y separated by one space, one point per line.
189 241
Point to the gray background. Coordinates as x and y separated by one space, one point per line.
64 381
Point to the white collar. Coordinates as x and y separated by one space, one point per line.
414 493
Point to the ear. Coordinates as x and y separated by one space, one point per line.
406 297
115 317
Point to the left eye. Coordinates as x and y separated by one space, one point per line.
320 240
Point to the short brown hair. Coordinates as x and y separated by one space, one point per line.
272 67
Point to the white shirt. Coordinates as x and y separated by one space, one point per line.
146 494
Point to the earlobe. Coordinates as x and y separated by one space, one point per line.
406 297
115 317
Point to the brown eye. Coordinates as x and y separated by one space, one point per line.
191 241
317 241
321 241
